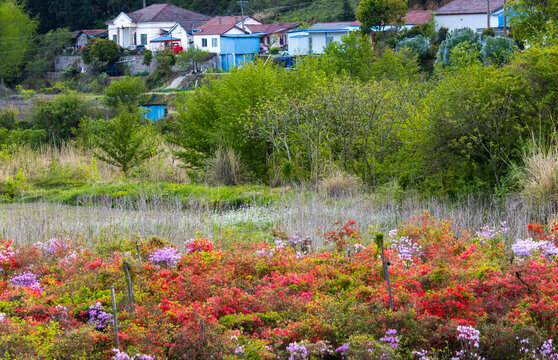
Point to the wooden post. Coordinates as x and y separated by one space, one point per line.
114 318
385 264
131 298
137 248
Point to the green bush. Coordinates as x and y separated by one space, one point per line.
418 45
60 117
454 38
497 50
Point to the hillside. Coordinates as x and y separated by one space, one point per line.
90 14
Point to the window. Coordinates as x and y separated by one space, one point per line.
114 38
204 42
143 39
214 42
329 39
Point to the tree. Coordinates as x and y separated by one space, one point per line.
127 92
530 19
347 12
17 30
124 141
61 116
102 50
374 14
191 57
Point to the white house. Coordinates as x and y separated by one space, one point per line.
317 37
142 26
469 13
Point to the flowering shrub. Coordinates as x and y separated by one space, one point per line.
168 256
98 316
453 297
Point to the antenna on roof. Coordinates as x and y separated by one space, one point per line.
144 4
242 3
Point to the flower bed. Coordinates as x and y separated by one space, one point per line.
453 297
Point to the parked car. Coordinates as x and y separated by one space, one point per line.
136 49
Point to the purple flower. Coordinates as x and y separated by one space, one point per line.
407 249
468 334
50 247
168 255
98 316
490 233
297 351
27 279
7 254
529 247
341 349
267 253
390 338
2 317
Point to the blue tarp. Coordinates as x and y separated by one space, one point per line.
165 38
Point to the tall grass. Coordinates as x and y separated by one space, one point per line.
306 213
37 164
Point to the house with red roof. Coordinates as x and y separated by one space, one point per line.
150 26
473 14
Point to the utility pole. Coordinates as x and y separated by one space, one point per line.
144 4
487 13
242 3
505 20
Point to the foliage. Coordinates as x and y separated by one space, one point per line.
460 295
497 50
418 45
165 62
225 168
191 57
128 92
124 141
375 14
531 19
100 51
147 57
61 117
16 26
454 38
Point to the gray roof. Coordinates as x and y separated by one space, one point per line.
166 13
459 7
330 26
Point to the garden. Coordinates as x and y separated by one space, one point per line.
452 293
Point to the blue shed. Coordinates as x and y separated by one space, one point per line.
238 49
155 112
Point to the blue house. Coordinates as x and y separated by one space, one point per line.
236 50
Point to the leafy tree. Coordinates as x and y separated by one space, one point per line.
124 141
61 117
16 33
347 12
102 50
374 14
191 57
165 62
128 92
147 57
531 19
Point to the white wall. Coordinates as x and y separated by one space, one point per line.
474 21
297 44
124 29
209 47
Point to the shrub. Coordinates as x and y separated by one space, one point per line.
8 118
340 184
454 38
100 50
418 45
129 92
538 176
487 32
147 57
497 50
225 168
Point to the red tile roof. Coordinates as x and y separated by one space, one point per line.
224 20
166 13
461 7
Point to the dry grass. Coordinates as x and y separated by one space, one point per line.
307 216
539 174
340 185
225 168
35 164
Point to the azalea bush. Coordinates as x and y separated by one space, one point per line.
456 294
